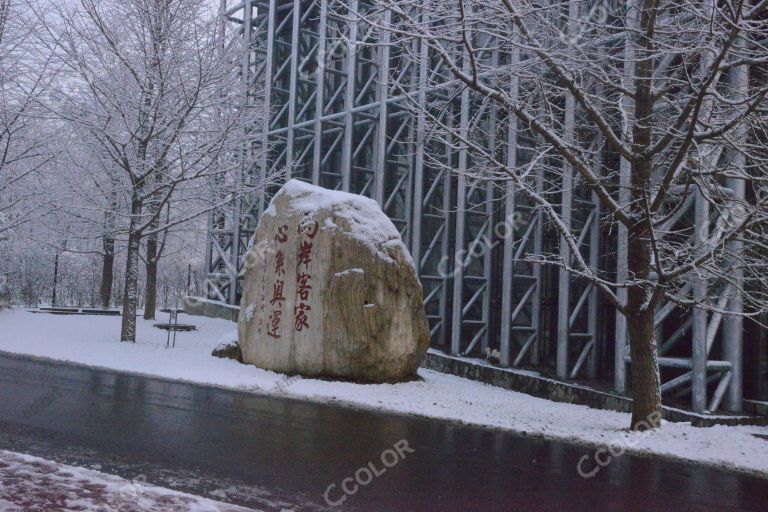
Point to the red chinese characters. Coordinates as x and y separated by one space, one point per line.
310 229
280 263
303 286
305 253
282 234
277 293
278 296
301 320
274 323
303 279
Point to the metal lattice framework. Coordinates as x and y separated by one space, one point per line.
339 99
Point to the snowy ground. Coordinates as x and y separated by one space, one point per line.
94 341
30 483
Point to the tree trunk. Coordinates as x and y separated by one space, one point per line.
151 270
107 272
130 292
646 393
641 297
641 306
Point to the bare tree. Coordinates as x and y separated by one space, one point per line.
646 107
152 88
90 195
23 150
108 258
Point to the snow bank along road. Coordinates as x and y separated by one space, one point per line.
34 484
282 454
94 341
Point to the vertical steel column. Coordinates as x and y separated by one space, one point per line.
625 178
382 90
564 277
209 264
594 261
622 274
445 243
421 122
236 220
566 212
317 149
213 215
292 89
411 197
460 253
538 247
700 346
233 266
509 219
489 186
271 16
700 288
733 329
349 98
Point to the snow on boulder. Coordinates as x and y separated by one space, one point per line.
331 290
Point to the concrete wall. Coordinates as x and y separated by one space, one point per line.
201 306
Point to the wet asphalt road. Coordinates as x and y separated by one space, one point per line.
282 454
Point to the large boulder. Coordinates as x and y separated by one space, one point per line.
331 290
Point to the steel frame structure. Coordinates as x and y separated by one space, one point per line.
338 97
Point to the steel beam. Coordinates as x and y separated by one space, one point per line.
566 212
321 60
293 86
461 207
733 329
509 231
349 97
700 289
268 68
625 178
382 90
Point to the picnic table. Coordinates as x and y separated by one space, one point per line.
173 325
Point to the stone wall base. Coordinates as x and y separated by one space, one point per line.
200 306
535 384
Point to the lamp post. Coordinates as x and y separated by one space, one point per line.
55 279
